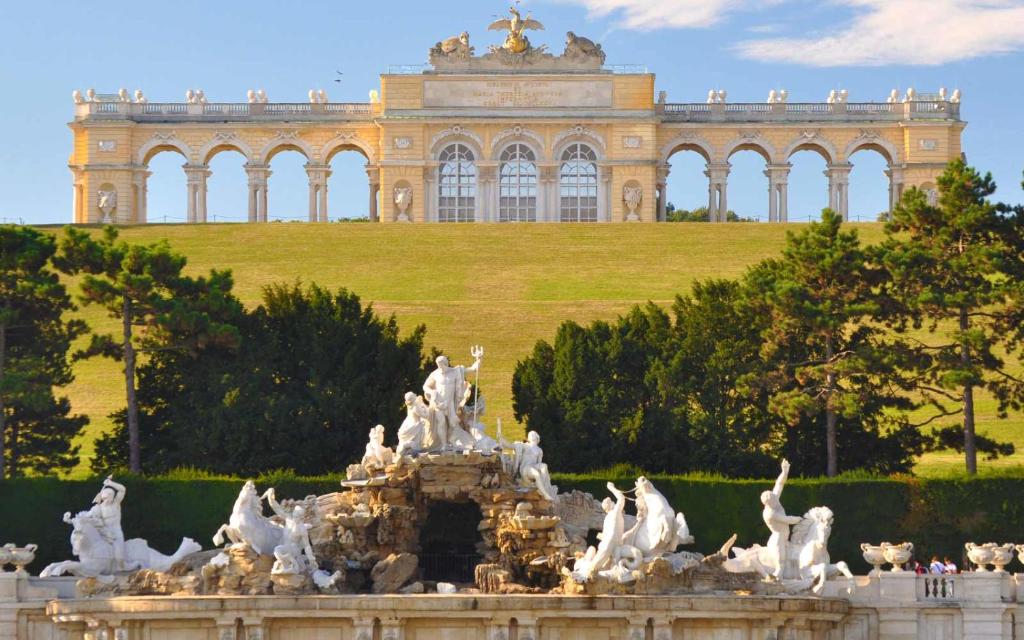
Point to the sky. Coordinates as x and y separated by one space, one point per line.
50 47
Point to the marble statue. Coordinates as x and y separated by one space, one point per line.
578 48
122 95
250 96
140 98
294 556
415 426
248 525
658 529
446 391
98 541
107 202
454 48
377 456
778 523
403 199
632 196
612 531
76 95
516 42
528 465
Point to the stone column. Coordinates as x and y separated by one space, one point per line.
373 175
838 188
487 196
429 193
139 191
547 196
896 181
718 177
778 178
662 187
196 175
605 208
258 178
318 175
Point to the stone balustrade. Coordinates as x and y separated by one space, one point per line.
810 111
226 111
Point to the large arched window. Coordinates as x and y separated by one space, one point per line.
517 200
577 184
457 185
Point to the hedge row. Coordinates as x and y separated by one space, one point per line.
938 515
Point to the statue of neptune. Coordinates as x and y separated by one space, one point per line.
446 391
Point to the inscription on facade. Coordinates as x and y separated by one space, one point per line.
525 93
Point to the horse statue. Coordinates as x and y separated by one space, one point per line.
807 565
248 525
96 554
658 529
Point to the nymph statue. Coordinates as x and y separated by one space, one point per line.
528 465
415 426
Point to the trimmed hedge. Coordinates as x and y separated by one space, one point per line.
937 515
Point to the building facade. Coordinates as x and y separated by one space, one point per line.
515 135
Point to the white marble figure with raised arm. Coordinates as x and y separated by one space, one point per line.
447 390
295 553
612 531
415 426
778 523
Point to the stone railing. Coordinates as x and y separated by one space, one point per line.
809 111
221 111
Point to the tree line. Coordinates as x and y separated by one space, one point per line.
820 355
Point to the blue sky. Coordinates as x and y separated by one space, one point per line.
49 48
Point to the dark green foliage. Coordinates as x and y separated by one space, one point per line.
36 427
313 371
957 269
700 214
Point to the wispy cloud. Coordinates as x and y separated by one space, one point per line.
879 32
918 32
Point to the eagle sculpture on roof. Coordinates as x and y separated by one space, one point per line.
515 41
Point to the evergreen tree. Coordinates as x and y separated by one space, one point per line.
957 268
143 287
36 428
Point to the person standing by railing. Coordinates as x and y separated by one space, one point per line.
949 566
936 565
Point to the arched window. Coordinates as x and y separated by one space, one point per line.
577 183
457 185
517 200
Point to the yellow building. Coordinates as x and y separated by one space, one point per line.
517 134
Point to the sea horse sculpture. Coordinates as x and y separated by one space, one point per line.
515 41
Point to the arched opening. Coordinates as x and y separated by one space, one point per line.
348 184
288 185
869 185
166 187
808 185
577 184
686 191
227 186
517 184
748 184
456 184
449 540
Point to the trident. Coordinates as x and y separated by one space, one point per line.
477 352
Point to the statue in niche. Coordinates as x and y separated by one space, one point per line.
579 48
515 42
456 48
403 199
447 391
107 202
633 196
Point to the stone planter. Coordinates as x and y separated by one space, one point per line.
980 555
875 556
1002 556
898 554
22 557
6 556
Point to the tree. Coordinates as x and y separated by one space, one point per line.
313 371
143 287
699 214
956 267
36 428
829 360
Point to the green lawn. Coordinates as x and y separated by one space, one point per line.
503 286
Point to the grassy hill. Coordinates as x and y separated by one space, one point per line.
502 286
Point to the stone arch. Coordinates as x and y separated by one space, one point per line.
347 142
748 142
888 150
457 134
517 134
225 142
576 134
290 142
160 143
688 143
816 143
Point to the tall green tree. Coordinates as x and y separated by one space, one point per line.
823 297
143 287
36 428
956 266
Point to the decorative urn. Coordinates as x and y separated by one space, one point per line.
22 557
875 556
898 554
1002 556
6 555
980 555
1020 553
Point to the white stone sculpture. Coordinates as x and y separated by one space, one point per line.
778 523
312 96
261 96
377 456
90 94
76 95
898 554
943 94
955 98
875 556
1002 555
190 96
831 99
528 465
894 96
140 98
783 96
721 96
981 555
632 195
250 96
772 96
21 557
322 96
106 202
98 541
415 426
200 96
659 529
603 556
248 525
712 96
294 556
122 95
403 199
446 391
